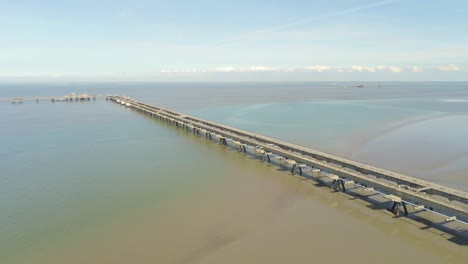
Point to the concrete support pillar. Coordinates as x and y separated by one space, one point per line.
293 169
395 209
337 183
266 157
397 202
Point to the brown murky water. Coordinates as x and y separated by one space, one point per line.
254 213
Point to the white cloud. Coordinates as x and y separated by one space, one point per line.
381 68
395 69
358 68
247 69
259 69
315 68
226 69
258 33
319 68
449 67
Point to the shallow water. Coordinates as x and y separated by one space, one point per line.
421 137
78 179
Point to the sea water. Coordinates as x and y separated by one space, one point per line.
70 167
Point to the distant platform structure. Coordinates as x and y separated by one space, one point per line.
72 97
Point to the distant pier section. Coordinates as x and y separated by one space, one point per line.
66 98
405 195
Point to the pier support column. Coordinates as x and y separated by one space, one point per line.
404 207
397 202
222 140
395 209
337 183
266 157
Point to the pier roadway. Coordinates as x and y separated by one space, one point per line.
400 189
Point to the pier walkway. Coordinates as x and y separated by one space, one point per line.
401 191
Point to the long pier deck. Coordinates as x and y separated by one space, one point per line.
399 189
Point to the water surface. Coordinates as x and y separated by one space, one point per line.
96 182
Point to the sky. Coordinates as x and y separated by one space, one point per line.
217 40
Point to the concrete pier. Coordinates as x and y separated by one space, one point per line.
395 188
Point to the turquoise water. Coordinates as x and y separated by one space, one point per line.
321 124
69 167
422 136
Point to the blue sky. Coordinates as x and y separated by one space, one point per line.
208 40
